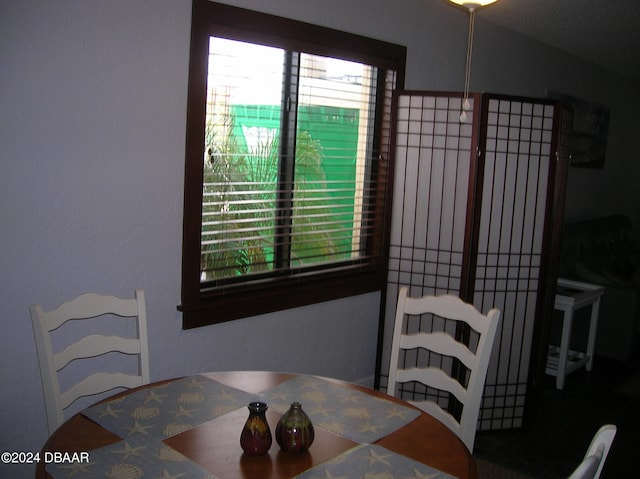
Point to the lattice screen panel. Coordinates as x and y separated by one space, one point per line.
432 155
518 152
433 214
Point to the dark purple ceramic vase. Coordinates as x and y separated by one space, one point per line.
256 435
294 431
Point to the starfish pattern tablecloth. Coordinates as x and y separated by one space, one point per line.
372 462
145 418
133 458
345 412
168 409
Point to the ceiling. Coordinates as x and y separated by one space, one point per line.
605 32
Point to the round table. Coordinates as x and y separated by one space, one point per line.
215 446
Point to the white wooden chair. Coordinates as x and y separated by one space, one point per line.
85 307
593 462
425 357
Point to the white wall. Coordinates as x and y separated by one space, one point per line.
92 127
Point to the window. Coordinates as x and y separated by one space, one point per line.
287 177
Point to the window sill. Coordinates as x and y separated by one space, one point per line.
241 301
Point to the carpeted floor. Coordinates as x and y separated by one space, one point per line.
490 470
562 427
631 387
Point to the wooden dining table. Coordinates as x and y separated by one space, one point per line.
214 444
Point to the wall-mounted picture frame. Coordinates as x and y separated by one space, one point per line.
589 131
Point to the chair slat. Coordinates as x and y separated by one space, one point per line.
99 383
95 345
435 378
440 343
90 305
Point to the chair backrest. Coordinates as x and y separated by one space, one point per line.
437 371
593 462
84 307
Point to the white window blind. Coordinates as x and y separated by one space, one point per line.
288 162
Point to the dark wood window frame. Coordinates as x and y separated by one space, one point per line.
202 305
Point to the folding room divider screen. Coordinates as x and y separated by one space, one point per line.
473 214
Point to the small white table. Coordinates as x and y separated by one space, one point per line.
570 296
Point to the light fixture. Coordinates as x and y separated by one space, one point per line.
473 3
472 6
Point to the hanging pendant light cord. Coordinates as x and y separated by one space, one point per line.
467 77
